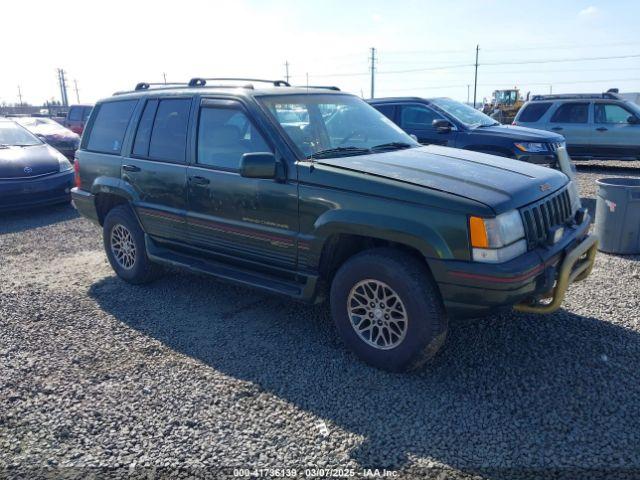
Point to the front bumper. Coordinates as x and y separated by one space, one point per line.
576 266
471 289
32 192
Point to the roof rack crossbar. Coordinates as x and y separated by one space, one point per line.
147 85
325 87
201 81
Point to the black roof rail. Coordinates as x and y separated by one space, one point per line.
201 82
325 87
609 94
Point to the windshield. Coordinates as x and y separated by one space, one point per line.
335 125
465 114
13 134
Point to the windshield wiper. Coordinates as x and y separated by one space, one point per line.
339 151
391 146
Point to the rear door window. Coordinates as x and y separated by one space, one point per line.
571 113
143 135
169 134
109 126
534 111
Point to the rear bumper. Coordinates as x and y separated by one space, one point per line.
84 202
26 193
472 289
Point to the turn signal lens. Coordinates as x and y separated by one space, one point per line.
479 238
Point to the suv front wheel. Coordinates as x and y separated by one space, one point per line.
125 247
388 309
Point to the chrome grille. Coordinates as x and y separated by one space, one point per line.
544 214
554 146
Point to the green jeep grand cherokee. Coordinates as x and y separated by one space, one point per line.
312 193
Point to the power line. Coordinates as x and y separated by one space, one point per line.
561 60
533 84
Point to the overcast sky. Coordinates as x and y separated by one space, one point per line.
424 48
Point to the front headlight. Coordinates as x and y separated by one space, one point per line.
64 164
531 147
498 239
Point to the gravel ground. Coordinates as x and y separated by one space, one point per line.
190 373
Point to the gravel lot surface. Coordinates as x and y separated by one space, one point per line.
192 373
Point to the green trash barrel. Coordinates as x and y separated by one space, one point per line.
618 215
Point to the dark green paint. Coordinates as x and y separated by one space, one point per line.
272 231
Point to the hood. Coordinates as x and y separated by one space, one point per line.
498 182
517 133
25 162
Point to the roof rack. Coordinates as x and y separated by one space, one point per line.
147 86
201 82
612 94
325 87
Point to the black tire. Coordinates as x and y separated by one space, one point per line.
142 269
426 326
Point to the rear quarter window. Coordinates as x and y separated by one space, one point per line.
533 111
109 126
572 112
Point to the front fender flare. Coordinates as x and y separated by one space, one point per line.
414 234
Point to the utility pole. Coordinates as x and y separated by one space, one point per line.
475 82
468 89
63 88
20 95
550 89
75 85
164 75
373 71
286 70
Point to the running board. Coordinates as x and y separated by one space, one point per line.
304 290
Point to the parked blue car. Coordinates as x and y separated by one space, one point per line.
32 173
443 121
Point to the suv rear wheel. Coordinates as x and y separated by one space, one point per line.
388 310
124 244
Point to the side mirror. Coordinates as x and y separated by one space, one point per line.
415 137
442 126
632 119
258 165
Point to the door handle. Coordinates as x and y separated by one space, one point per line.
198 180
557 129
602 129
130 168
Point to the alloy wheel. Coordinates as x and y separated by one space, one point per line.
377 314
